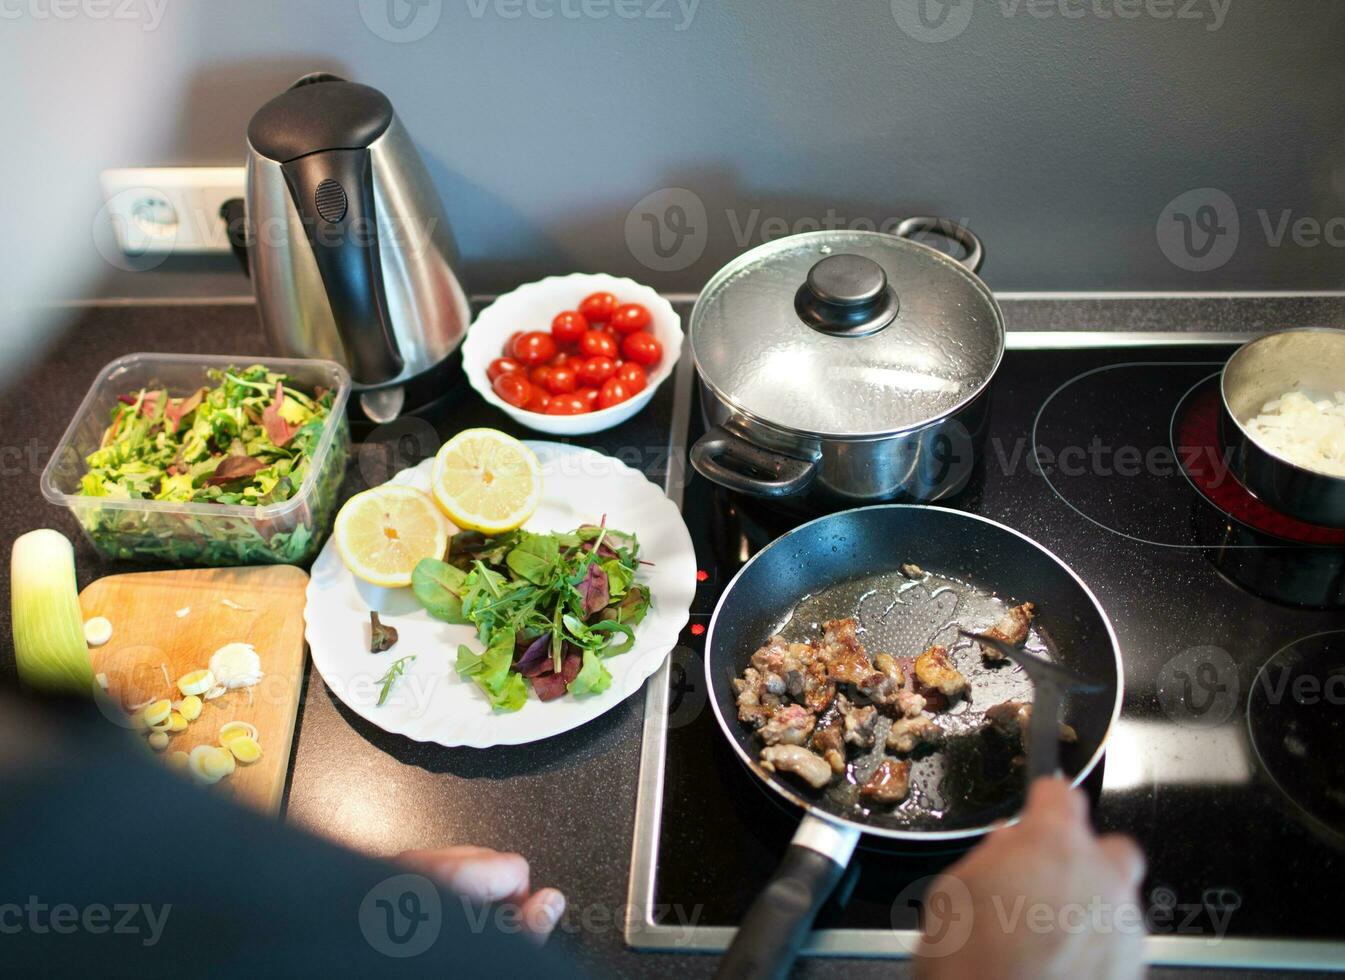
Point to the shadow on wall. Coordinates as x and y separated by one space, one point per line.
672 236
222 97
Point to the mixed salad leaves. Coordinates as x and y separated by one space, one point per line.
548 608
250 440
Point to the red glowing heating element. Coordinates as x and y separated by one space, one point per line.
697 629
702 575
1199 428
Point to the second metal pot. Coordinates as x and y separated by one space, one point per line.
847 366
1311 360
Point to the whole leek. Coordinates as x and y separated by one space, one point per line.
49 642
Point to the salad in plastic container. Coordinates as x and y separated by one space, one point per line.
187 459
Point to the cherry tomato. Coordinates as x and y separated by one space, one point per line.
539 401
595 343
568 327
564 357
502 365
595 370
598 307
630 318
561 379
513 388
533 348
613 392
632 376
642 348
509 344
539 374
589 395
567 405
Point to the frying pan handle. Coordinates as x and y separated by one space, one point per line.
948 229
737 464
775 927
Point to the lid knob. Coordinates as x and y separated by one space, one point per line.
846 295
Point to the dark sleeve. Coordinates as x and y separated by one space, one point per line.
112 865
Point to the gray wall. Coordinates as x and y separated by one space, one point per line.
1068 143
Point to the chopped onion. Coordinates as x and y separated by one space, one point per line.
236 665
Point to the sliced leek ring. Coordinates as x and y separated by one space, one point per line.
214 692
164 726
196 682
177 722
157 712
158 741
245 749
190 707
209 764
236 729
97 631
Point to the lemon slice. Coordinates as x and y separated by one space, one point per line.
382 533
487 481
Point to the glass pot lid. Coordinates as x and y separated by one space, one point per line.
846 334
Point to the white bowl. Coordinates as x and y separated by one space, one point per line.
533 307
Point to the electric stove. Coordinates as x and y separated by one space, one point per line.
1224 764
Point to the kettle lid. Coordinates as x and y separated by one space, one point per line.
319 112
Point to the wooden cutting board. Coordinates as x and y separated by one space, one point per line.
171 622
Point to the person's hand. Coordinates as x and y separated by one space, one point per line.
1044 898
486 876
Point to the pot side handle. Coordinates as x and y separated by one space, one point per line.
737 464
948 229
774 930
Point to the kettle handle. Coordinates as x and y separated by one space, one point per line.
234 214
333 191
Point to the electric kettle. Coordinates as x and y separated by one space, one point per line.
350 254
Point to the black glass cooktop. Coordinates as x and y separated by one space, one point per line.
1225 764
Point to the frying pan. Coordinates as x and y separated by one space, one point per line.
849 563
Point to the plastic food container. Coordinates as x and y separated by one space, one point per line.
176 533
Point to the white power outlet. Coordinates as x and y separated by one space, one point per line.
170 209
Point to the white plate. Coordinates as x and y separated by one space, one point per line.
431 703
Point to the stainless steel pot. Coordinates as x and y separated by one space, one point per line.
1308 360
847 366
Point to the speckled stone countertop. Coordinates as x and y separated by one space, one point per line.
567 802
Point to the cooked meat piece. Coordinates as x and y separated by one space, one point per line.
796 670
1011 718
1011 629
910 704
818 690
789 725
829 740
890 782
756 704
909 734
912 571
846 659
884 683
812 769
858 722
935 670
